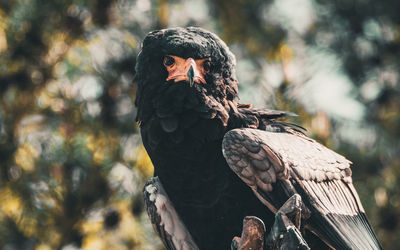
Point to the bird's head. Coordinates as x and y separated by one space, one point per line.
189 57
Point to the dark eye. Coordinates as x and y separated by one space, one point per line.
168 60
207 66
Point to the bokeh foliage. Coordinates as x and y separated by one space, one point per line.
71 161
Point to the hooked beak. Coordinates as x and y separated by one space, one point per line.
188 70
190 75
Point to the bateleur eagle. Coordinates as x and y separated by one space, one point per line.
219 161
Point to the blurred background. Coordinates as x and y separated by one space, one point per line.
72 165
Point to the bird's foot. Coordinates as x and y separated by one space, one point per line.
285 233
292 209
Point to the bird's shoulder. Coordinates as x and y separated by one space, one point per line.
246 116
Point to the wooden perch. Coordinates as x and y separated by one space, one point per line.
252 235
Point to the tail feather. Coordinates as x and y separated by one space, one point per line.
337 216
345 231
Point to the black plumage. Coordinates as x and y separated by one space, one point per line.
185 128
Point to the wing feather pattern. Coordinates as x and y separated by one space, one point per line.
278 164
165 220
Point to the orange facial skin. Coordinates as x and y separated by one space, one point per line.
189 70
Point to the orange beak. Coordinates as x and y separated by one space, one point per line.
189 70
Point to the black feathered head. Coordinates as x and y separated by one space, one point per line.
168 59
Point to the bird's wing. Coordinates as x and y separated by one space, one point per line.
277 165
165 220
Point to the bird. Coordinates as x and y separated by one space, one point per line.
220 160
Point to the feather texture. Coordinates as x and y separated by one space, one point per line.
321 176
166 222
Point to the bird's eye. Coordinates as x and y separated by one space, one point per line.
207 65
168 60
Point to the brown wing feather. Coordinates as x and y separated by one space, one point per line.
255 163
301 165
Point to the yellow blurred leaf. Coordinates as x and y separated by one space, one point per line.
162 12
286 53
143 162
26 157
93 242
59 46
130 40
102 146
28 225
92 227
74 57
129 228
43 247
3 40
10 204
98 157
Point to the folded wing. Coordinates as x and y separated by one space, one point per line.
277 165
164 218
